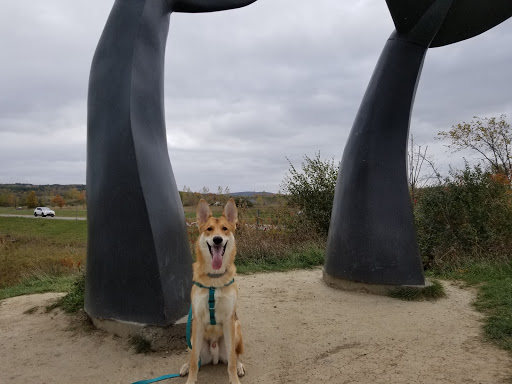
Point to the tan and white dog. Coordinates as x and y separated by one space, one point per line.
215 267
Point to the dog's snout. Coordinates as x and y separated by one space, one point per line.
217 240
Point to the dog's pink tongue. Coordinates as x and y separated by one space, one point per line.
217 257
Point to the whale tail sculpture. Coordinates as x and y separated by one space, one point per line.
138 256
463 19
372 237
198 6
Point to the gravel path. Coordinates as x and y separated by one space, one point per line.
296 330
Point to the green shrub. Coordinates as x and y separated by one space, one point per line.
467 217
312 189
242 201
74 300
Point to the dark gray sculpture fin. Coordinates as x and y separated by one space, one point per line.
138 257
139 267
465 18
468 18
196 6
406 14
428 25
371 237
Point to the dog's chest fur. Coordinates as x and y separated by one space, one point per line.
225 302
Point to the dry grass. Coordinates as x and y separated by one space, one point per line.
31 248
281 241
36 252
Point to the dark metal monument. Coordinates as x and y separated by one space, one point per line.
372 238
138 257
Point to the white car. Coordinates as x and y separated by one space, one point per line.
43 211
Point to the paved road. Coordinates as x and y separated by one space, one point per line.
46 218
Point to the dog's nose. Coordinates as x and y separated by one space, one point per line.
217 240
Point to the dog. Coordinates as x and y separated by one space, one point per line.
218 336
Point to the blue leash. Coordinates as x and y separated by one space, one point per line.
211 308
157 379
165 377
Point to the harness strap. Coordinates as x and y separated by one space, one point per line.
211 305
203 286
211 299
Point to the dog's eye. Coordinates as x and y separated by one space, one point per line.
209 229
224 228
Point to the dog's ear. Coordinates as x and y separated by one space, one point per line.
203 212
230 212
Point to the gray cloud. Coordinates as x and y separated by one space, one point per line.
244 89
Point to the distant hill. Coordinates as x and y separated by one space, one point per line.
52 189
40 189
251 194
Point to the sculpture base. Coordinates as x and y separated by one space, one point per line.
167 338
376 289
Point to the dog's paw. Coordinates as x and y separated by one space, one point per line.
240 369
184 370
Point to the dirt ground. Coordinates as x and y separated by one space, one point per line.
296 330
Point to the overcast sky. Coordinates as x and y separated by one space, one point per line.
244 89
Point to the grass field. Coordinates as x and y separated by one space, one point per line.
77 211
39 248
43 250
263 213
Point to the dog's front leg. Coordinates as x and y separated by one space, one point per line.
197 342
228 329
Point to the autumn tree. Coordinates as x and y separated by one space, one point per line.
222 194
32 199
58 200
82 198
73 194
11 200
491 138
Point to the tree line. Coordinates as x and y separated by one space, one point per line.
31 196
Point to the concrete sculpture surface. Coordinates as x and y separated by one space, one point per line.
138 257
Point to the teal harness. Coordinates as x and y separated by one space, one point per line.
211 309
211 300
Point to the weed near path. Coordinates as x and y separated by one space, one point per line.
494 298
